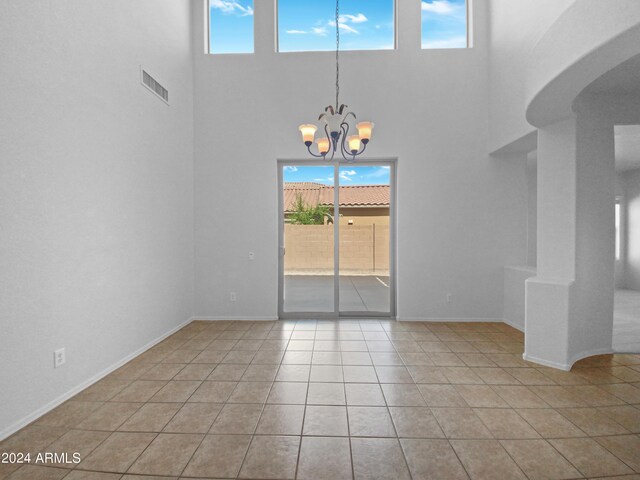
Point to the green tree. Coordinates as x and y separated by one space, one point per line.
304 214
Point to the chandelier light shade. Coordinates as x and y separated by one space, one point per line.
354 144
334 122
364 130
308 133
323 145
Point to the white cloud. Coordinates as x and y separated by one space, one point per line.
349 172
439 7
328 180
231 7
359 18
343 26
291 169
453 42
322 31
347 28
345 177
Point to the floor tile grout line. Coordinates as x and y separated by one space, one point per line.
92 450
549 443
191 457
253 435
612 453
391 418
304 416
592 382
204 436
346 407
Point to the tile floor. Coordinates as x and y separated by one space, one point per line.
341 400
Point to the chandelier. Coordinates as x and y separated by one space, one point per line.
335 123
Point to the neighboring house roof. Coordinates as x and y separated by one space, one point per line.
350 196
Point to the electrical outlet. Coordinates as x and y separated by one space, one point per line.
59 358
252 256
232 296
448 298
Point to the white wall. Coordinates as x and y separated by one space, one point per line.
461 214
514 309
96 196
632 194
532 210
516 26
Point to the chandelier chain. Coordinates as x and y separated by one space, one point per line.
337 54
336 122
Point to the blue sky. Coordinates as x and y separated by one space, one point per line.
231 26
349 175
309 25
444 24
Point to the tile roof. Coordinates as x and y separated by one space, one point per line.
350 196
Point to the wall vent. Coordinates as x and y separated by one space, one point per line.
151 83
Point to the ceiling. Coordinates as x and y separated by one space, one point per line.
621 80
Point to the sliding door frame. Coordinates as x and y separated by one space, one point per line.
392 163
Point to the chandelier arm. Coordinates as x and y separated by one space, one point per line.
347 115
335 141
313 154
345 131
364 147
331 142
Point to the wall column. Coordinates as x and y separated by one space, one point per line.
569 303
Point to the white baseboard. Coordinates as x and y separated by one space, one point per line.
591 353
11 429
400 319
451 320
514 325
546 363
234 318
567 366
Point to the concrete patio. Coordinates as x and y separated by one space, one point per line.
358 293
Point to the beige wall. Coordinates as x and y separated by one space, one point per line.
363 249
364 216
361 216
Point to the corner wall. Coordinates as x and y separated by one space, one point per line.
461 214
516 27
96 197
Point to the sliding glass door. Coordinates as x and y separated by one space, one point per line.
307 253
364 239
336 239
